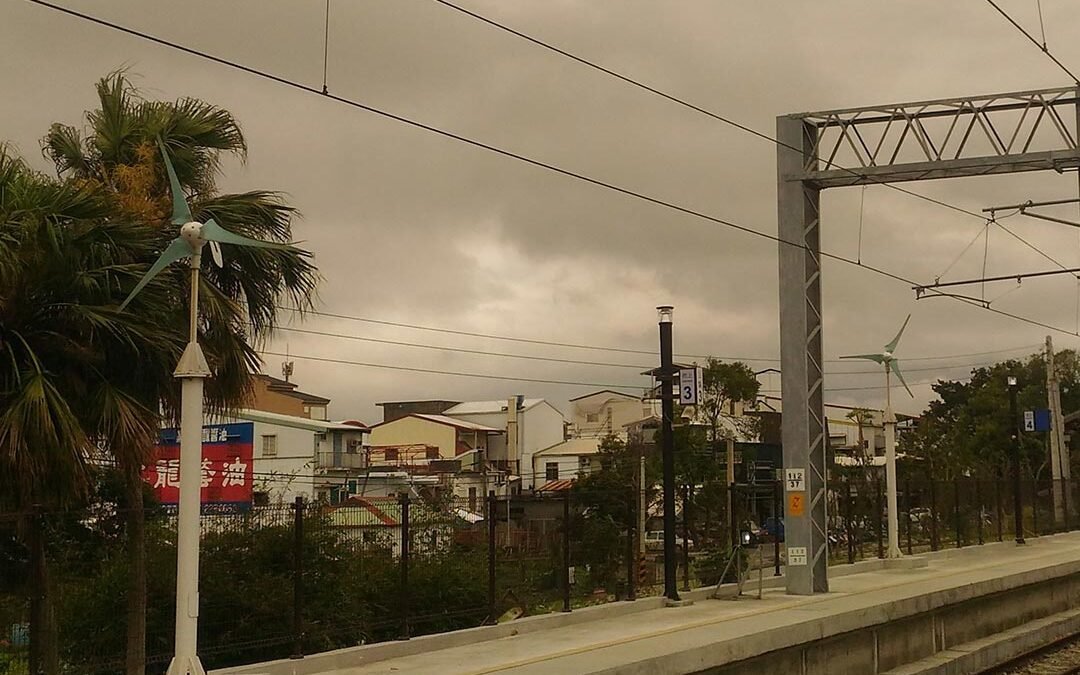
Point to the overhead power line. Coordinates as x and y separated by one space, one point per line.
299 86
721 118
608 348
1042 46
687 104
510 378
550 359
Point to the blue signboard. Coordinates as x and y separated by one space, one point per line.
1042 420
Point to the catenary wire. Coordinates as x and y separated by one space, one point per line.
528 160
721 118
1042 47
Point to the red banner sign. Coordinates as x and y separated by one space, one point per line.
226 465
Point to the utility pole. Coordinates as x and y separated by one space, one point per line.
667 432
1059 452
1014 424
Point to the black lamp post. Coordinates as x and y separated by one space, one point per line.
667 434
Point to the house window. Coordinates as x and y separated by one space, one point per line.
551 471
391 454
592 417
472 499
432 453
269 445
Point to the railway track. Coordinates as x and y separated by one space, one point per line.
1058 658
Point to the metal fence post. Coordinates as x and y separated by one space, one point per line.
298 578
956 512
1035 506
686 537
37 592
631 550
907 514
848 521
406 541
1000 509
877 515
778 486
934 542
979 514
566 551
491 506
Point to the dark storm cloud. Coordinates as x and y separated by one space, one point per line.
411 227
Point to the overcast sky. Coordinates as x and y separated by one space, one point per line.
407 226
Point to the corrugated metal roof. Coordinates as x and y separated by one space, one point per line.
482 407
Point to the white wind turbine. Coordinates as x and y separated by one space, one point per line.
888 359
191 369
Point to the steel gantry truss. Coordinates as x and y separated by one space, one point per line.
948 138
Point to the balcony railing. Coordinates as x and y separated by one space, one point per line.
343 460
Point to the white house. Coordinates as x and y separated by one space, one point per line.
608 412
298 456
567 460
538 425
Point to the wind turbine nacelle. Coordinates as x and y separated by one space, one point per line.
192 234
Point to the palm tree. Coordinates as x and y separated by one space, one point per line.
61 261
118 155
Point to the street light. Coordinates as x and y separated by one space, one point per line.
1014 425
667 436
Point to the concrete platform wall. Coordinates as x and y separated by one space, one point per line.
961 616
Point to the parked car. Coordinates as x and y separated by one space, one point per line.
654 541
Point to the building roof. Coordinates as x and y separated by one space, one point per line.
486 407
608 391
379 512
430 400
642 421
295 422
289 389
574 446
556 485
448 421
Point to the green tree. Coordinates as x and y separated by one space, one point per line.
61 258
117 156
725 385
968 429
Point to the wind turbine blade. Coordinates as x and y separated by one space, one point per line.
176 250
891 347
181 213
896 369
876 358
215 252
211 231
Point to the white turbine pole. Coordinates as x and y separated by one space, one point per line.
191 370
890 469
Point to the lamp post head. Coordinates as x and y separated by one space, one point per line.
1012 380
666 313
